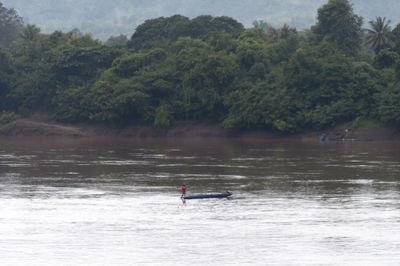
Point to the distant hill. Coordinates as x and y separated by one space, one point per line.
104 18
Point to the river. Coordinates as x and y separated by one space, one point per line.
106 201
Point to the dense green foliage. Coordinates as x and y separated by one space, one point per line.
209 69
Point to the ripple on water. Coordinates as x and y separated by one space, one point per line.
15 164
122 162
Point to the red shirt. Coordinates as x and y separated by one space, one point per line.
183 189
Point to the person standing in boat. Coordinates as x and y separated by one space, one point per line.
183 190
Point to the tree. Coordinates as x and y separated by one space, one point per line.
338 24
76 32
286 31
30 33
205 77
398 71
159 29
386 58
226 25
6 70
162 31
261 25
10 25
379 36
54 66
272 34
120 40
389 108
396 37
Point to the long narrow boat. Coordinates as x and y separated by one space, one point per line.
206 196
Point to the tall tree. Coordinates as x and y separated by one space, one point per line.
10 25
380 35
338 24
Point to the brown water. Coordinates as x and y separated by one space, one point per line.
116 202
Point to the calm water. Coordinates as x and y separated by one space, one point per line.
116 202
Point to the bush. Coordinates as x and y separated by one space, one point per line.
162 119
7 118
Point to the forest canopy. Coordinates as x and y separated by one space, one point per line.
209 69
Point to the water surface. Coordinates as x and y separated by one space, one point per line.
116 202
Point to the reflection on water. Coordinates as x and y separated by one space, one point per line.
116 202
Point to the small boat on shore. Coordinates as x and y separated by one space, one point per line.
206 196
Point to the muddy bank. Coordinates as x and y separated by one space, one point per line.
29 127
187 129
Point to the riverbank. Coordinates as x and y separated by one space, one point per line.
183 129
38 127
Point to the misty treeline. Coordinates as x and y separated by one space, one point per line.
208 69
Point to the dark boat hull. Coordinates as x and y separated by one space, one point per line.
207 196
